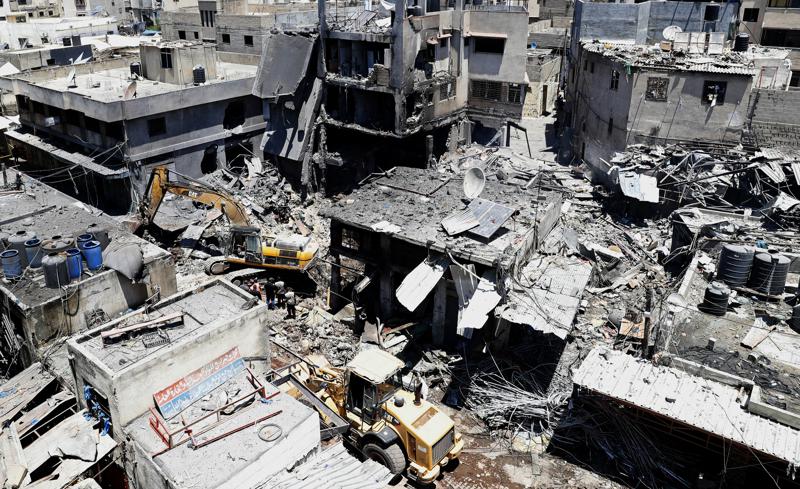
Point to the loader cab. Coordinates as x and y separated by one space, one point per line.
246 244
373 377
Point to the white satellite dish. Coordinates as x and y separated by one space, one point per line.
71 83
474 181
669 32
130 91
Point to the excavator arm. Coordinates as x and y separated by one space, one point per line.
160 185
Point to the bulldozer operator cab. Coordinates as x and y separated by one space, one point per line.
246 244
365 397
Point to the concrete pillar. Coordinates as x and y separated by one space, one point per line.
429 158
439 313
335 301
386 289
323 156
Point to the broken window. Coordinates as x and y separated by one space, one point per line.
350 239
514 93
166 58
714 92
181 34
486 90
750 15
196 35
226 39
614 79
157 126
234 115
657 88
788 38
248 40
492 45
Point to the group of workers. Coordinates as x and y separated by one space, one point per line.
274 293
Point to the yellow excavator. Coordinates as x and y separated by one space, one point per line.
366 403
244 245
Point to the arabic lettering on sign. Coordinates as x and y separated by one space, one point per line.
197 384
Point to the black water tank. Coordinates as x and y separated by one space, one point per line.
199 74
716 299
769 273
794 322
136 68
711 12
734 265
742 42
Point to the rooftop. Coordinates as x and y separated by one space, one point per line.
45 212
411 203
109 85
652 56
202 310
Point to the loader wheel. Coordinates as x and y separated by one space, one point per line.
216 266
392 457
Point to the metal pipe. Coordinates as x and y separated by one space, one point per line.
235 430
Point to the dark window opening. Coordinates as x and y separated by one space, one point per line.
610 125
591 67
614 79
157 126
514 93
784 3
91 124
787 38
226 38
714 92
750 15
38 107
490 45
115 130
66 41
45 40
795 81
166 58
181 34
234 115
73 117
248 40
209 162
657 88
196 35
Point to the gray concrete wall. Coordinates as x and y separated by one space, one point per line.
774 117
172 22
495 67
236 27
130 390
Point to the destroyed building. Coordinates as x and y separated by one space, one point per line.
106 124
39 310
408 77
423 252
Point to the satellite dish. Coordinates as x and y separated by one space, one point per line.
71 83
474 181
670 32
130 91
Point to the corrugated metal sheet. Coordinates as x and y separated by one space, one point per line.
490 215
333 468
548 295
466 282
483 301
459 221
420 282
695 401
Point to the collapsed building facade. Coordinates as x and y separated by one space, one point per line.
409 77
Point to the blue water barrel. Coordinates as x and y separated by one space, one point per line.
83 239
12 266
93 254
33 251
74 263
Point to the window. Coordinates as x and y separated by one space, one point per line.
514 93
795 82
49 12
207 18
115 130
248 40
657 88
23 42
787 38
784 3
585 64
610 125
73 117
166 58
45 40
489 45
750 15
157 126
66 41
486 90
181 34
614 79
196 35
714 92
41 13
591 67
446 91
226 39
91 124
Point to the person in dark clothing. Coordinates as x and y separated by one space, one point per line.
291 302
269 291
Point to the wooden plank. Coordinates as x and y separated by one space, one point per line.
116 332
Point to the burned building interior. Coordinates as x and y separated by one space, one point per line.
463 244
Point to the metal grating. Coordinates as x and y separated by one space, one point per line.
490 215
443 446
